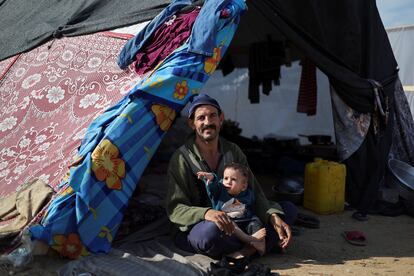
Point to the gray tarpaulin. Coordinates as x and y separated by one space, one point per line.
25 24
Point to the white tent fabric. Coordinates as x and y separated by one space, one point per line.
276 114
402 43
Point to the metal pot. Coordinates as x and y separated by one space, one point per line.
403 177
277 144
290 189
318 139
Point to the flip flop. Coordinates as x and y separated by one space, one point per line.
355 237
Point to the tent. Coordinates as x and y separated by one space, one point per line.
401 38
276 114
56 19
344 39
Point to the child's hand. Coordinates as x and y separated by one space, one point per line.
206 175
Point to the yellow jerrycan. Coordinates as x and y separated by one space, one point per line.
324 186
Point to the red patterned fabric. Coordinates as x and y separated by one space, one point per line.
5 65
48 99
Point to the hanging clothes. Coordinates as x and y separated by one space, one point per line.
307 99
265 59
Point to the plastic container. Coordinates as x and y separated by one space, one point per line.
324 186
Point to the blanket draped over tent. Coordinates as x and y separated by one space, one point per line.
49 19
48 99
86 213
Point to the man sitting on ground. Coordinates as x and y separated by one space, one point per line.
201 228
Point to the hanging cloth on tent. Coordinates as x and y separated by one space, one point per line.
203 36
87 212
51 19
307 99
265 59
168 37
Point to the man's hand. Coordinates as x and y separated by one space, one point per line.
282 229
223 222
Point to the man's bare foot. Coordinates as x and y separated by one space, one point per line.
260 234
260 246
247 251
259 243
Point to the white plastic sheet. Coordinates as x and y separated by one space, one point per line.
276 113
402 43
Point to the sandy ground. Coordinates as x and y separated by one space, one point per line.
389 250
323 252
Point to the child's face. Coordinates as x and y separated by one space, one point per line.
234 181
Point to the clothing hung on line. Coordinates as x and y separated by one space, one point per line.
265 59
307 98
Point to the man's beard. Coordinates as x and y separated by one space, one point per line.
210 137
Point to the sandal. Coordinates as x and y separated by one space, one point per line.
258 270
228 266
360 216
355 237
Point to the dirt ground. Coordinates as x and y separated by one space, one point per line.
323 251
389 246
389 249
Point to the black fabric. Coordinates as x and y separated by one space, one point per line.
254 92
226 65
265 59
26 24
366 168
403 132
345 39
